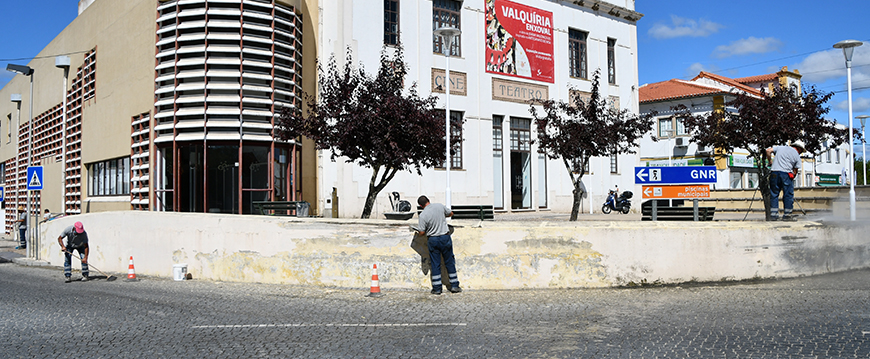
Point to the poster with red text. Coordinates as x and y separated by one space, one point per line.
519 41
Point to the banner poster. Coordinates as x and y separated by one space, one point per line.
519 41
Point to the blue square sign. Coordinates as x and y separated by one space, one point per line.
34 178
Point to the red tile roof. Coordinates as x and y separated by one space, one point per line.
673 89
757 78
727 81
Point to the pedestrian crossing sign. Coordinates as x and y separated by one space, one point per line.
34 178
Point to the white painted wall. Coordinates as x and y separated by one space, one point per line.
490 255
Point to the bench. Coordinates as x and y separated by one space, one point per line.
281 208
470 211
678 213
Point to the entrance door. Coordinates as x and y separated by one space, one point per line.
521 164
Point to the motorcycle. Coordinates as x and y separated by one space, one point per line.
619 204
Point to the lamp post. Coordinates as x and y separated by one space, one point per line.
27 71
447 33
848 47
863 119
62 62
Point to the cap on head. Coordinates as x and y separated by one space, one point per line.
79 227
799 144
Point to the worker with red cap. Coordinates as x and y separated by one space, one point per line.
76 239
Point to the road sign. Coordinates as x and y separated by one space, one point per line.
34 178
675 175
2 193
682 191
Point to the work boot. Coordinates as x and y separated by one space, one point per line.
436 291
67 280
85 279
455 289
789 218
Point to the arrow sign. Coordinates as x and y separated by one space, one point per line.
675 175
676 191
34 178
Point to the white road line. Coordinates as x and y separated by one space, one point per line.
295 325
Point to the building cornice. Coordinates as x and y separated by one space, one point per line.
608 8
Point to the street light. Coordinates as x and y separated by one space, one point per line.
27 71
863 119
62 62
848 47
447 33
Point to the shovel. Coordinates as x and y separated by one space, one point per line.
109 278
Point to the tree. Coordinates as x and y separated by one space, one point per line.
584 128
371 121
755 124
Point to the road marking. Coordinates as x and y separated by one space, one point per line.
367 325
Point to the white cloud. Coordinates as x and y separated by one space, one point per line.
751 45
696 68
830 64
682 27
860 104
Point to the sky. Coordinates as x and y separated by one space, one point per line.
676 39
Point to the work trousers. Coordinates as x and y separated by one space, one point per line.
67 262
22 237
442 246
780 181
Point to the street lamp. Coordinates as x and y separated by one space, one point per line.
27 71
863 119
848 47
62 62
447 33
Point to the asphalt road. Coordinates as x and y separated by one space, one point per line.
813 317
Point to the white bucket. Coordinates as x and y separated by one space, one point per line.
179 271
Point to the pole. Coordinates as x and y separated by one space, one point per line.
447 120
63 145
851 148
864 151
30 247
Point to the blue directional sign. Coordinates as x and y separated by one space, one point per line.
2 193
675 175
34 178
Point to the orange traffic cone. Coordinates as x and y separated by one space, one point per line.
376 287
131 272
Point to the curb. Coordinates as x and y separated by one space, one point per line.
30 262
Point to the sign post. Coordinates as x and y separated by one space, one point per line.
689 182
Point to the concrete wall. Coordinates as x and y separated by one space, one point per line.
490 255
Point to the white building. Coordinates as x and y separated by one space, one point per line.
507 54
703 94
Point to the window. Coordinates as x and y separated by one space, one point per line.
837 156
521 134
828 156
109 178
665 125
614 164
577 53
456 138
9 128
446 13
391 22
681 128
611 61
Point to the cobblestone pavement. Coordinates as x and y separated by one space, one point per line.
824 316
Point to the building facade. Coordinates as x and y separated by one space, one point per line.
170 105
507 54
708 92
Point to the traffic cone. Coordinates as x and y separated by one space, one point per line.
376 287
131 272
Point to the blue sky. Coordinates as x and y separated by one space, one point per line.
677 39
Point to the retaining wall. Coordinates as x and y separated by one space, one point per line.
490 255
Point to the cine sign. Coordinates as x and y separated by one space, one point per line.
676 191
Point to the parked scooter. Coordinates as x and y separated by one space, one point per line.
619 204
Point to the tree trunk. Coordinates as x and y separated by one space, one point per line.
375 188
578 196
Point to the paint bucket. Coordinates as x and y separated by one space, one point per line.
179 271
